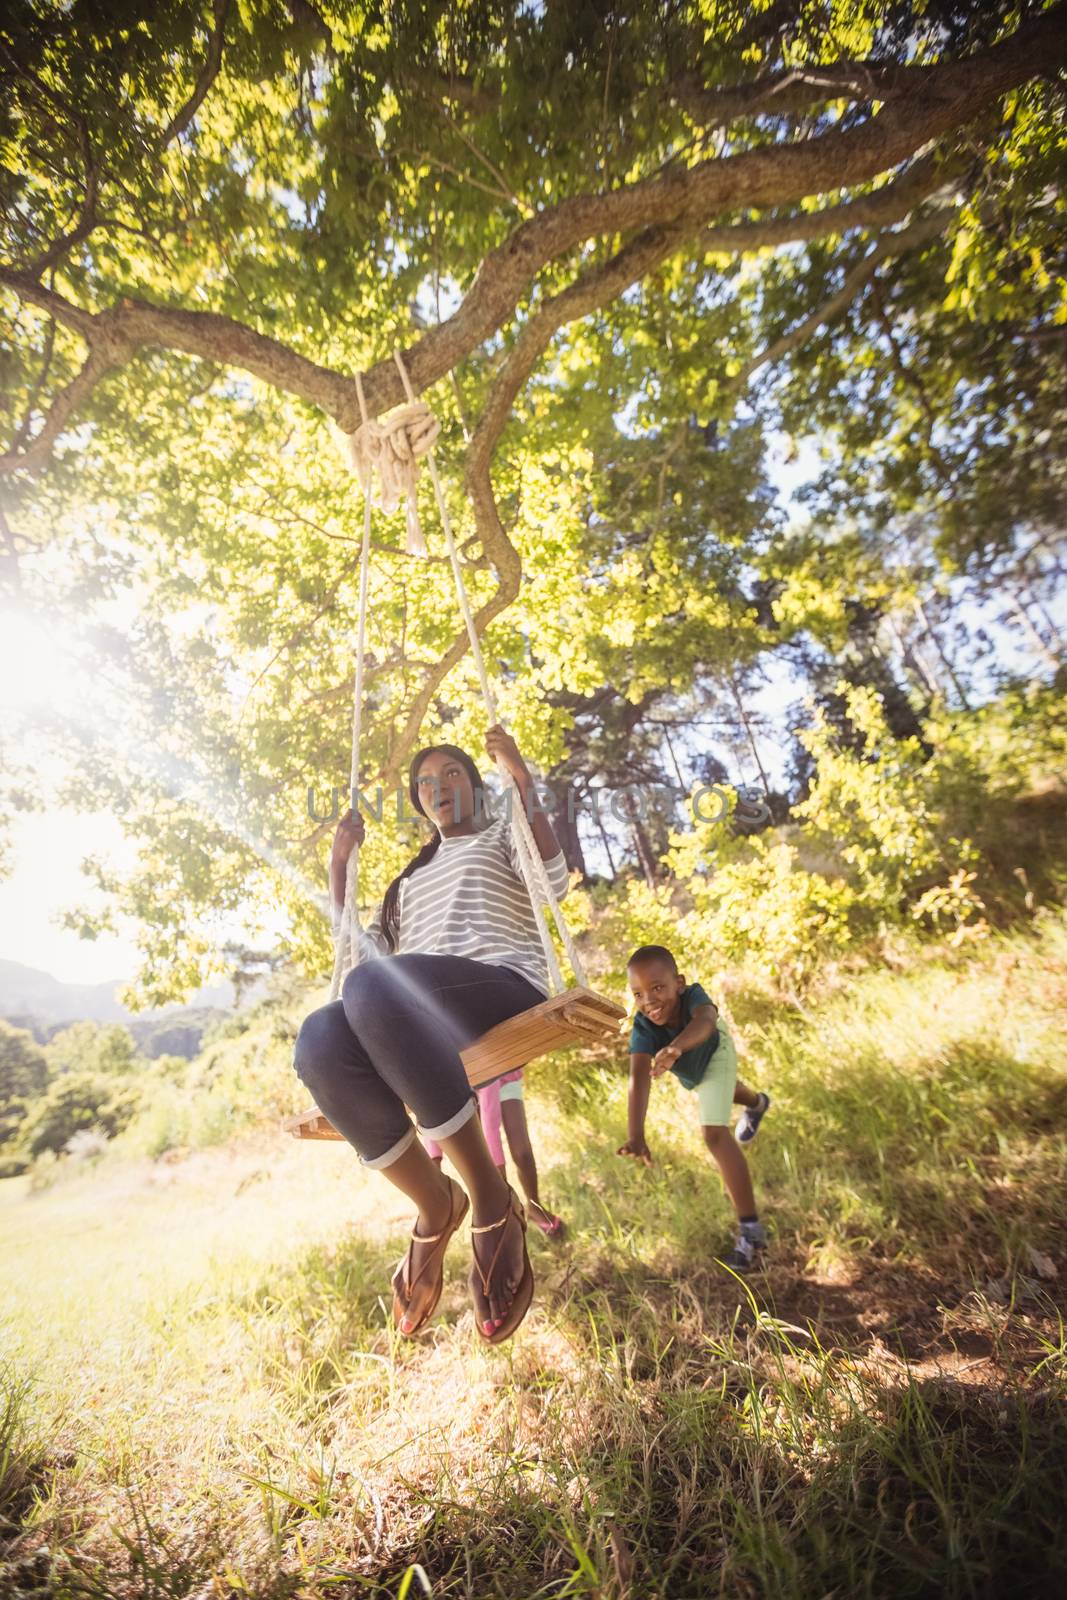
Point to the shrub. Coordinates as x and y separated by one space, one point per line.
44 1172
770 915
76 1101
88 1144
923 835
23 1076
243 1079
89 1047
880 811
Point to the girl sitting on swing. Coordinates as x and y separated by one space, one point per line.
463 954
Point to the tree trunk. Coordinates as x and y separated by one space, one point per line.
605 841
1055 636
565 824
646 856
1026 622
932 635
913 664
674 759
753 746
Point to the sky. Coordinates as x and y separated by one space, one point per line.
48 850
48 673
37 675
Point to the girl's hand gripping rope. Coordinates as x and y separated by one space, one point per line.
350 831
502 747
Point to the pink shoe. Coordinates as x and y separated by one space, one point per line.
547 1221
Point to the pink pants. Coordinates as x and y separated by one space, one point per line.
489 1109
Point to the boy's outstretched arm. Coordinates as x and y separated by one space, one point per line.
702 1026
637 1109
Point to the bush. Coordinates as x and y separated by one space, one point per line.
88 1144
23 1076
1013 744
181 1118
770 915
44 1172
89 1047
880 812
999 774
928 836
77 1101
243 1079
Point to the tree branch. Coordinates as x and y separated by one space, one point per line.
894 244
23 431
455 86
208 73
346 538
593 288
775 175
305 15
87 218
70 397
914 382
596 286
796 89
507 188
891 203
205 333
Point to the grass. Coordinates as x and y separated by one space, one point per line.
207 1398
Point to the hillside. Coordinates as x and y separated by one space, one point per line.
220 1406
35 1000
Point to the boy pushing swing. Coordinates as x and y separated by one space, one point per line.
677 1029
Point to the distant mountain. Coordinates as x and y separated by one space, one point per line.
33 992
30 998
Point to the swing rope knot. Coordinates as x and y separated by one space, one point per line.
384 454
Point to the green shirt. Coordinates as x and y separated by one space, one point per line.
648 1037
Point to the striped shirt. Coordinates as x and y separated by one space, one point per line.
470 900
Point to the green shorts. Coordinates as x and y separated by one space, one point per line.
715 1091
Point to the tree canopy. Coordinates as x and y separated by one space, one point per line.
621 249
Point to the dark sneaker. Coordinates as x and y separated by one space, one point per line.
749 1245
749 1120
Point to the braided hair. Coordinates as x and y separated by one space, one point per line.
390 915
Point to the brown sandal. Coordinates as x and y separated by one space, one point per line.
402 1279
524 1293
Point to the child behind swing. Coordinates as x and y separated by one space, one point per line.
677 1029
501 1106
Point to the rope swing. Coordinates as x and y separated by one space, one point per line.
385 456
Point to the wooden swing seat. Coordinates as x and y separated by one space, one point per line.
569 1018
